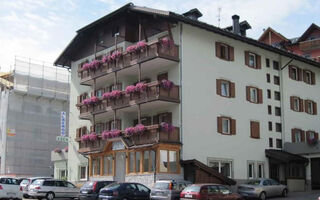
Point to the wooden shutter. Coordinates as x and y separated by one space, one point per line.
260 96
308 134
231 53
290 72
255 129
305 76
155 119
233 126
246 57
292 135
258 61
303 136
232 90
306 105
299 71
313 78
315 110
218 49
292 103
219 124
248 93
218 86
301 105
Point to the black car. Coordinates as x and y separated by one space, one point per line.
125 191
90 190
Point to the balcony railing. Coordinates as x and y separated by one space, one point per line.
154 91
152 135
309 44
154 49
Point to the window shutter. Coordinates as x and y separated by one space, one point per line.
155 119
255 129
291 103
246 57
316 136
308 135
233 127
78 133
299 74
219 124
315 110
306 105
292 135
313 78
232 90
231 53
260 97
301 105
303 136
258 60
248 93
218 86
290 72
218 50
304 76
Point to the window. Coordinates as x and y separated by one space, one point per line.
297 135
269 110
277 95
62 174
296 170
275 65
270 126
225 88
279 143
169 161
82 172
108 165
222 166
278 127
251 171
96 166
226 125
310 107
149 161
296 104
260 170
270 142
276 80
255 130
309 77
311 135
268 78
267 62
99 93
269 94
224 51
99 127
252 60
294 73
254 95
277 111
224 190
134 162
131 162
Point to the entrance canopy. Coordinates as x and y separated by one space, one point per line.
284 157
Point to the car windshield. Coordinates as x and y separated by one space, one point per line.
37 182
254 182
192 188
113 186
161 185
25 182
88 184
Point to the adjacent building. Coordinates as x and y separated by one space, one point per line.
32 99
153 92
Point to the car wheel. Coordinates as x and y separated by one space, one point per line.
50 196
263 196
285 193
25 196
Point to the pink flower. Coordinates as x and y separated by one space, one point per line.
139 128
106 95
141 45
130 131
115 55
94 100
166 127
86 101
166 84
95 64
115 94
166 42
130 89
57 150
85 66
131 49
141 87
115 133
85 138
105 135
93 137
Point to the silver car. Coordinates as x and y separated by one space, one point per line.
168 189
26 182
52 188
262 188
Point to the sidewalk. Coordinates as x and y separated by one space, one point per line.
311 195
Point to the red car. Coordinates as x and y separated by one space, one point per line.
208 191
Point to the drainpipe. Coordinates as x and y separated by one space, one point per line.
181 102
87 167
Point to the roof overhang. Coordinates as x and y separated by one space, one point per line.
308 31
285 157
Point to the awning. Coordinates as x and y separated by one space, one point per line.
285 157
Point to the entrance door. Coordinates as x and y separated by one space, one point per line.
120 167
274 171
315 173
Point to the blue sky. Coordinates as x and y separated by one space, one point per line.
41 29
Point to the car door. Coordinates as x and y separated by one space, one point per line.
213 193
276 188
72 190
16 188
9 187
225 193
142 192
267 187
59 189
129 191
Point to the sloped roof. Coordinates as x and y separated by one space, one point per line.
269 29
284 156
308 31
64 61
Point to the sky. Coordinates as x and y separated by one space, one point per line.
41 29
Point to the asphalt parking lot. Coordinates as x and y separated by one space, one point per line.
313 195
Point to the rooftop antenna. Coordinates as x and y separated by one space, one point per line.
219 16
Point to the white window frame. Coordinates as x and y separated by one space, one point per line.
86 174
226 51
309 107
252 164
225 93
297 136
308 77
228 123
260 164
254 60
296 104
254 95
295 73
220 161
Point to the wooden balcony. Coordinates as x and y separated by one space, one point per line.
154 92
152 135
154 50
309 44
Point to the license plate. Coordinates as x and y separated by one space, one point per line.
11 193
188 195
159 193
84 192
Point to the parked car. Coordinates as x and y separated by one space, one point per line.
208 191
24 185
168 189
90 190
52 188
9 188
125 191
262 188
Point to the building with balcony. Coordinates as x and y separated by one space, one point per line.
307 45
153 90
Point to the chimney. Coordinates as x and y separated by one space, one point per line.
236 25
193 14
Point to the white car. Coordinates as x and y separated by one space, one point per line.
10 188
52 188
